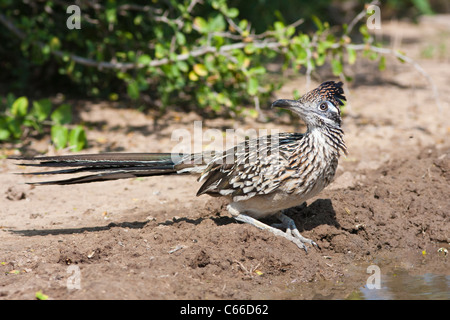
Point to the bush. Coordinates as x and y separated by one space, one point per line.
17 119
191 51
196 54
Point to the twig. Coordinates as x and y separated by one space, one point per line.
154 63
397 54
270 32
192 5
102 65
247 272
234 25
223 50
178 247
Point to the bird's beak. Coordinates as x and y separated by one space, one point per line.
286 104
294 105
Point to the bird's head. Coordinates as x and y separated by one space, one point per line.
319 107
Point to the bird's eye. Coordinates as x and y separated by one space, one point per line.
323 106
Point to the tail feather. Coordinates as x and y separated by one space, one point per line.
116 175
136 169
101 159
108 166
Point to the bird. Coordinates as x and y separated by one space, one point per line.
261 177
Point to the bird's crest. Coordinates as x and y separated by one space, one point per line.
327 91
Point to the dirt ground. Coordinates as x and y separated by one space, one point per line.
153 239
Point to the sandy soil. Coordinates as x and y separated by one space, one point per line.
153 239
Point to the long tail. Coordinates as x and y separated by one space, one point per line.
108 166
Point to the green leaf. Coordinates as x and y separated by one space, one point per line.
200 69
232 12
217 23
183 66
320 60
4 132
113 96
77 138
131 55
243 24
336 67
41 109
144 59
365 32
423 6
323 46
40 296
55 44
59 136
290 31
111 15
249 48
181 39
317 22
201 24
14 127
138 20
19 107
278 25
62 115
133 90
257 70
351 55
252 87
399 58
300 53
218 5
66 57
160 51
193 76
382 63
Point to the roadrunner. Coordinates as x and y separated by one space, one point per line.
262 177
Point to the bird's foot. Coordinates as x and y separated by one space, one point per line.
289 224
291 234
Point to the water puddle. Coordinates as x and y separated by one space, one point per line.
395 284
400 285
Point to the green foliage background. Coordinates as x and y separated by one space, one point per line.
208 55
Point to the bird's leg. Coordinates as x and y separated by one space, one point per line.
290 234
289 224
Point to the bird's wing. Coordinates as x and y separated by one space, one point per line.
253 167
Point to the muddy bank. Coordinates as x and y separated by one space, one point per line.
396 214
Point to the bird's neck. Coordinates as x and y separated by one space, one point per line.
329 139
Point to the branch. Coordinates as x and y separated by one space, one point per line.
103 65
224 50
295 24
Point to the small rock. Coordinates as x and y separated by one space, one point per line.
14 194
